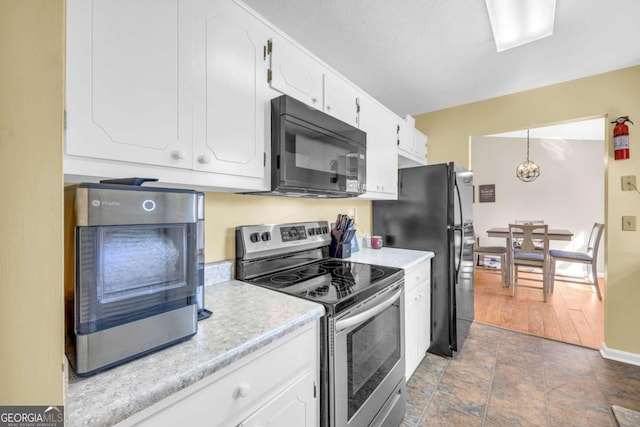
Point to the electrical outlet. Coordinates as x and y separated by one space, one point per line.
629 223
352 214
629 183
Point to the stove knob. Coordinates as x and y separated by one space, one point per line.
325 230
319 230
312 231
266 236
255 237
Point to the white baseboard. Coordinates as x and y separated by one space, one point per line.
619 355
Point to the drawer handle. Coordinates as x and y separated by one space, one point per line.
243 390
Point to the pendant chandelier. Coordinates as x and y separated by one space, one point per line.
528 171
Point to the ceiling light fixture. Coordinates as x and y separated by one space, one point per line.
528 171
517 22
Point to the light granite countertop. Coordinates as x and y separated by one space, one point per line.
391 257
245 318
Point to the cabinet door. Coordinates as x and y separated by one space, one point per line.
405 137
411 314
128 89
230 101
295 73
341 100
419 144
423 319
294 407
382 154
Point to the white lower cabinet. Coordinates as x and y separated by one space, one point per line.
292 407
417 282
275 386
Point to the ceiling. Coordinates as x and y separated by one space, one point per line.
417 56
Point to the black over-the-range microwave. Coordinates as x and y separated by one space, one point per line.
314 154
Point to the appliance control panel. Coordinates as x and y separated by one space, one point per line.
269 239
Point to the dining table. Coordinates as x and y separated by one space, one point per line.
503 232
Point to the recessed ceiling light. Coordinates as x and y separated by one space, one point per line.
517 22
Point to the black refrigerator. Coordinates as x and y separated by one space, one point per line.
434 212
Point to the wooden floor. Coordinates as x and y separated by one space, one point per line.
572 314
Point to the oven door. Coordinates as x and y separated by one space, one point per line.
368 359
315 160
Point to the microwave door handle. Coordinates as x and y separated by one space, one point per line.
368 314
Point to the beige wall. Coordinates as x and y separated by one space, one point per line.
611 94
223 212
31 132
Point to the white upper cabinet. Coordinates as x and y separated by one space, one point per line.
381 127
129 88
180 90
299 75
231 104
412 145
341 99
294 72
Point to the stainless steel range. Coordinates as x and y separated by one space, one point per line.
362 334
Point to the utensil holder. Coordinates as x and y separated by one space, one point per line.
340 250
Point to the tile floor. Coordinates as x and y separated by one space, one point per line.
506 378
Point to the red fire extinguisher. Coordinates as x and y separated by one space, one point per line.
621 138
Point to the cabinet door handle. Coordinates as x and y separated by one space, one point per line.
204 159
179 155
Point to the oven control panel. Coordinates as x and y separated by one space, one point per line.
255 241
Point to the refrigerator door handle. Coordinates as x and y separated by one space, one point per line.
461 228
460 252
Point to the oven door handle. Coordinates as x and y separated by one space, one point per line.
356 319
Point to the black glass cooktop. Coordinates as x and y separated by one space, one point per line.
332 282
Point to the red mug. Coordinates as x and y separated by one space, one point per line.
376 242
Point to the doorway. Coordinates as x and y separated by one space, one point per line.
568 194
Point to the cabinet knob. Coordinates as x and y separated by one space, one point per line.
204 159
314 100
243 390
328 107
179 154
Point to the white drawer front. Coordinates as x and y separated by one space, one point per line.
416 275
229 397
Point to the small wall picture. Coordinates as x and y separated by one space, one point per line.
487 193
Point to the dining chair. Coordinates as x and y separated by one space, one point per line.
527 255
529 222
588 258
494 251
